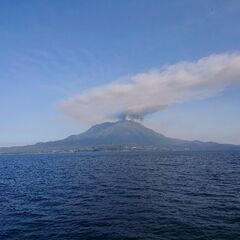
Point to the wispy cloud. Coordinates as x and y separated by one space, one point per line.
150 92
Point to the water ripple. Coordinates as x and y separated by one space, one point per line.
136 195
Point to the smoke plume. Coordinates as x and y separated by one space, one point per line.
150 92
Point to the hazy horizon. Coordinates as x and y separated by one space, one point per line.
137 121
68 65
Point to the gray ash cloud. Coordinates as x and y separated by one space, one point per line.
150 92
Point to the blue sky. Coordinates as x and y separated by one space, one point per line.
52 50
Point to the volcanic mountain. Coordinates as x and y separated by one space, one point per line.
114 133
125 132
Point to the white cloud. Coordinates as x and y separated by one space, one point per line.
149 92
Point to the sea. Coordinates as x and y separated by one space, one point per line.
120 195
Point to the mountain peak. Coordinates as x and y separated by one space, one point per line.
123 132
118 124
119 132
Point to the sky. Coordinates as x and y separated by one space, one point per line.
56 55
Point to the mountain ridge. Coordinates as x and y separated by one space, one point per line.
121 133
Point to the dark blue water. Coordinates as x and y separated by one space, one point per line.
120 196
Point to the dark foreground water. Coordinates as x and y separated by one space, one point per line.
120 196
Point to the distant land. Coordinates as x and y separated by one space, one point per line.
124 135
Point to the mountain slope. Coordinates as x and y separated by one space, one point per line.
117 133
120 133
128 132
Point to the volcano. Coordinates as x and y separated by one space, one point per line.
121 133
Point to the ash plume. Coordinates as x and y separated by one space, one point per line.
138 115
150 92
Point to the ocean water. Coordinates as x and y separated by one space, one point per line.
136 195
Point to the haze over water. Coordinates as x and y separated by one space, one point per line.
131 195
